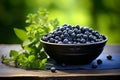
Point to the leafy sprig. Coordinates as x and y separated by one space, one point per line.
32 55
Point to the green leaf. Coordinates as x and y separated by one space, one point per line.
13 53
43 64
21 34
28 42
31 58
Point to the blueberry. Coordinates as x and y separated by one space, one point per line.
60 42
56 41
85 36
78 40
57 37
94 65
69 42
66 34
65 41
91 37
78 27
65 25
75 30
45 38
70 32
73 35
90 30
62 36
59 32
82 29
70 27
82 41
64 31
53 69
99 61
109 57
87 32
74 42
52 40
78 35
55 33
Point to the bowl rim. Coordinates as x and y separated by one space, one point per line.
82 44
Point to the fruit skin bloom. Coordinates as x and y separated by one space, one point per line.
68 34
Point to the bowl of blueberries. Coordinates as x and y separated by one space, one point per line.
73 44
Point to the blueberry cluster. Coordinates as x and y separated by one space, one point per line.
68 34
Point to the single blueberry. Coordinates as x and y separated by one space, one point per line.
52 40
75 30
57 37
62 36
82 40
69 42
99 61
70 32
66 34
65 25
109 57
65 41
73 35
78 27
70 27
53 69
60 42
85 36
78 39
59 32
78 35
45 38
56 41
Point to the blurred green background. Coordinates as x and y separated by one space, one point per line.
101 15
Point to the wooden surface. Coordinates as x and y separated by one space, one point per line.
8 72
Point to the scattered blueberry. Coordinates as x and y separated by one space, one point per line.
68 34
109 57
99 61
53 69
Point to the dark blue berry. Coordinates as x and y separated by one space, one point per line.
70 32
73 35
45 38
52 40
65 41
109 57
56 41
99 61
60 42
78 36
53 69
70 27
82 41
59 32
78 27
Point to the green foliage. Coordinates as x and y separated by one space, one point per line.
21 34
33 55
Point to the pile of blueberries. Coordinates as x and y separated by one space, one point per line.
68 34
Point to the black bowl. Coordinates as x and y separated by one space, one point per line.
74 53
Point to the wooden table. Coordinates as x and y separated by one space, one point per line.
11 73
